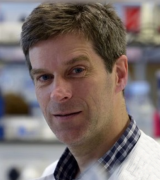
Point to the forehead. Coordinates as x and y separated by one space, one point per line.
58 53
61 46
63 37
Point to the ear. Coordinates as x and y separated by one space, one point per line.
121 71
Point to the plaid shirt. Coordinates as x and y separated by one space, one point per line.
67 166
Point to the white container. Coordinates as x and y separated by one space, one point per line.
21 128
140 106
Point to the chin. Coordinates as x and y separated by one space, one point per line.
71 140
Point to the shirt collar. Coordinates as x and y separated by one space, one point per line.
120 150
67 166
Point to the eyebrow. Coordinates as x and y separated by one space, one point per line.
76 59
70 62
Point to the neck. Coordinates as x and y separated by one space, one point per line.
88 154
95 147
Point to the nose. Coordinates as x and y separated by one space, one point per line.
61 91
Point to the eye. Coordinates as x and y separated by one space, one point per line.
45 77
78 72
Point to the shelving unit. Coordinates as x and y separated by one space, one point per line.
26 155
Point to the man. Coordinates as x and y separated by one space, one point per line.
76 58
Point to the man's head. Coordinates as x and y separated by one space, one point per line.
96 22
75 54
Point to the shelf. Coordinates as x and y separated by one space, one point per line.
30 142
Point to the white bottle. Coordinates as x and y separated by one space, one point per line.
140 106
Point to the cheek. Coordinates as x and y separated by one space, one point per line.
92 94
103 96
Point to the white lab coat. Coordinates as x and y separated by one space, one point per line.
143 163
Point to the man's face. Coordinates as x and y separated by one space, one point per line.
74 90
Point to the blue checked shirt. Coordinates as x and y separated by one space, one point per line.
67 166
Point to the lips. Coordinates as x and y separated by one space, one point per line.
66 114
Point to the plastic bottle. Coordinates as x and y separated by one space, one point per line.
140 106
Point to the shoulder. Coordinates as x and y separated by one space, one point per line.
50 169
147 149
150 143
143 162
48 172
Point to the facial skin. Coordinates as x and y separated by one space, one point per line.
77 95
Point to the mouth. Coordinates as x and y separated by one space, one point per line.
67 114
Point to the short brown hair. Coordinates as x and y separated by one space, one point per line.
97 22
